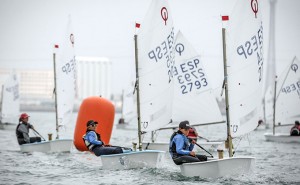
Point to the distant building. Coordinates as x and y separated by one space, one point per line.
94 77
36 86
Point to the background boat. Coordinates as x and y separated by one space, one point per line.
287 102
65 87
10 100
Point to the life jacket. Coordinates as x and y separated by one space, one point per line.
295 131
172 147
18 133
192 134
89 145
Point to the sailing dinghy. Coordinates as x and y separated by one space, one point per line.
243 88
154 85
65 88
287 103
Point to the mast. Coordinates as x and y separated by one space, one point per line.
229 138
55 92
271 63
138 91
274 106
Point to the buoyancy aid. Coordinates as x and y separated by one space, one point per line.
192 134
89 145
19 133
172 146
295 131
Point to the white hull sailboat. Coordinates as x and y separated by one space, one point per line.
58 145
134 159
287 103
243 86
282 138
214 168
153 102
65 89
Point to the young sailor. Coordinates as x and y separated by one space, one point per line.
295 130
180 149
192 135
93 141
22 131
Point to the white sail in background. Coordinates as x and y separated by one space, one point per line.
288 95
66 78
193 96
129 104
156 60
10 107
245 66
270 70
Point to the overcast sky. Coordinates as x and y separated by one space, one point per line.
105 28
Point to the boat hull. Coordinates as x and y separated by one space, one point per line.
131 160
282 138
211 146
218 167
59 145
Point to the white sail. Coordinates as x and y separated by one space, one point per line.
129 104
10 107
66 78
193 96
244 46
288 95
270 71
156 60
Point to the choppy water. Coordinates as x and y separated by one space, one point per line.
276 163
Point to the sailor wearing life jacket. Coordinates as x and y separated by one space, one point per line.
180 149
93 141
22 131
192 135
295 130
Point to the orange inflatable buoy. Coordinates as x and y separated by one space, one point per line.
98 109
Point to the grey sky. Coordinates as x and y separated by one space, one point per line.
105 28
